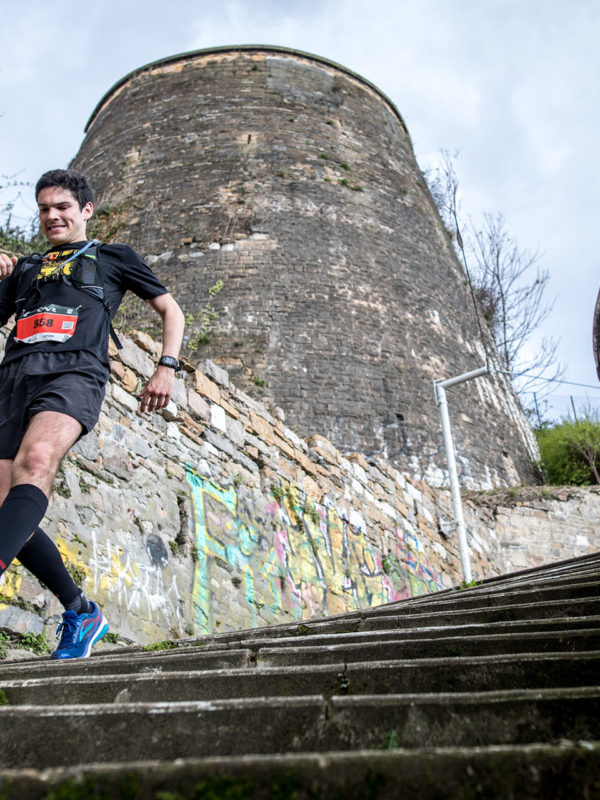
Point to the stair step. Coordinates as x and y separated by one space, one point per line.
128 732
549 609
529 627
298 651
440 647
481 598
140 663
534 771
465 719
423 675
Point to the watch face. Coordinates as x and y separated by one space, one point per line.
169 361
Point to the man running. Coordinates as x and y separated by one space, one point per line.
53 378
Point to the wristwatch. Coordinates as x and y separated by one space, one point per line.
169 361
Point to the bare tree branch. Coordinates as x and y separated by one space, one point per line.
508 283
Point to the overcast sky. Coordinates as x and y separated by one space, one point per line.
510 84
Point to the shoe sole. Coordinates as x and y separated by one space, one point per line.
102 630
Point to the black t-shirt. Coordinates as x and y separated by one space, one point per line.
121 269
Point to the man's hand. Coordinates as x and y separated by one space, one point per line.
7 264
157 392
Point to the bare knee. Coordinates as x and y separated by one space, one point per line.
49 436
36 463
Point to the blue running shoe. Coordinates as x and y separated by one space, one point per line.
79 633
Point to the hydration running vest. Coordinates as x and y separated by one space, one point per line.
85 274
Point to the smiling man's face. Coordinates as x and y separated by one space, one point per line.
61 218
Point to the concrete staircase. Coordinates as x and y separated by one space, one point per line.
491 691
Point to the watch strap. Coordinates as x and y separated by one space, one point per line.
169 361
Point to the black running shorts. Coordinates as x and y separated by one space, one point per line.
70 383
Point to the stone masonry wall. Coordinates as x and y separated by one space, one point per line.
537 525
214 515
290 183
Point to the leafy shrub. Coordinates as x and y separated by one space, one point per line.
570 452
15 239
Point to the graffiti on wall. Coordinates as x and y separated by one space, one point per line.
135 580
10 583
292 559
136 584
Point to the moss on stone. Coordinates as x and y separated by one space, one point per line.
76 572
166 644
219 788
18 602
36 642
93 787
301 630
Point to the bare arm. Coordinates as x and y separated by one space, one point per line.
157 392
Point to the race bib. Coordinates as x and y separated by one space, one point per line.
47 324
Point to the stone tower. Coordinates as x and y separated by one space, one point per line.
278 196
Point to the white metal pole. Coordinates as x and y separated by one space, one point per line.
442 402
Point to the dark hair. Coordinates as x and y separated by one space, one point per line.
75 182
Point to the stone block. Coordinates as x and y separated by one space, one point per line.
361 475
287 470
262 427
358 458
197 406
31 590
172 431
141 447
116 460
206 387
218 418
265 449
171 412
231 410
190 423
146 343
124 398
175 470
113 350
312 489
179 394
297 442
256 407
246 462
286 448
117 369
236 432
135 358
216 373
306 464
18 620
388 510
193 435
87 446
356 519
320 441
220 443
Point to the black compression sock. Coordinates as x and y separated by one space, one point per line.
20 513
43 559
80 605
